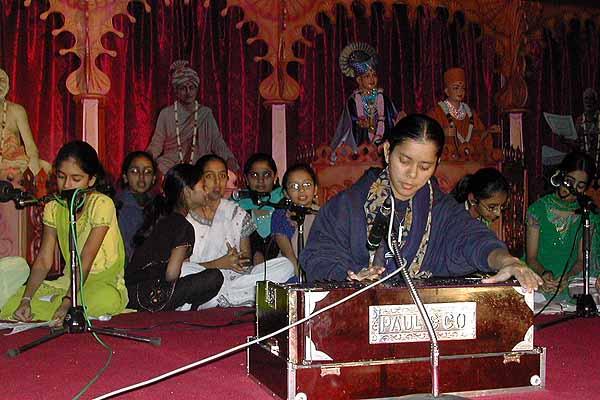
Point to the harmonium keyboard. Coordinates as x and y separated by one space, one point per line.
375 345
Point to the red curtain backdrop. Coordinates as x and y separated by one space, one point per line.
566 66
412 59
229 77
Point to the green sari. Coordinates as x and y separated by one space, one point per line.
558 245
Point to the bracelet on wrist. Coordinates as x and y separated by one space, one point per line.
67 297
546 272
26 298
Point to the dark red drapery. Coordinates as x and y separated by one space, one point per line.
229 77
566 65
29 55
412 58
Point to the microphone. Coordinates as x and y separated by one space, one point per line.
380 225
8 192
68 194
558 180
21 198
257 198
240 194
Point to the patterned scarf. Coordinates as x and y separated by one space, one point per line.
416 223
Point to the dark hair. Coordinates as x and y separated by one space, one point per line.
86 158
483 184
176 180
418 127
578 161
205 159
298 167
129 159
256 157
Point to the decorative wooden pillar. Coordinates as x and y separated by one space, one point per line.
91 122
279 137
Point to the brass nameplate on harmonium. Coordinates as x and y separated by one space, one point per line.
403 324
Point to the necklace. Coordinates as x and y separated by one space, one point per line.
459 114
456 112
3 119
3 124
194 137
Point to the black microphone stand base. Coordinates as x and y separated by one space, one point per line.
429 396
75 322
586 306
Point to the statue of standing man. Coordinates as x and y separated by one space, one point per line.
185 130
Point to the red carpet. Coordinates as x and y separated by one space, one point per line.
60 368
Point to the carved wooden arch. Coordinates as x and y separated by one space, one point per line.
513 23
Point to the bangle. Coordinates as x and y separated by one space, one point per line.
67 297
26 298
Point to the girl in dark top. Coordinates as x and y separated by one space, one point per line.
163 243
300 186
138 174
483 193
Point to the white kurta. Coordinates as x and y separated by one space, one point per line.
211 243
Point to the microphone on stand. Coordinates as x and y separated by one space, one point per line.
258 198
20 197
69 193
558 180
380 225
288 204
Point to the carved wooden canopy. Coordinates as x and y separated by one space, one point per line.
515 24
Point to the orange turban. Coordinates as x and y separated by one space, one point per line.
454 75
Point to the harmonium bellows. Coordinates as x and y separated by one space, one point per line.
376 345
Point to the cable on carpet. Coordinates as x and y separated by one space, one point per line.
191 324
248 344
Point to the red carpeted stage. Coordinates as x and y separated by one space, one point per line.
59 369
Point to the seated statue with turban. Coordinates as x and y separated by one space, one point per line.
460 123
186 130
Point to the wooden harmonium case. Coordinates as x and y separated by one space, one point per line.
376 345
383 323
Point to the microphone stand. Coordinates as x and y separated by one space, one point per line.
300 216
435 351
586 306
75 320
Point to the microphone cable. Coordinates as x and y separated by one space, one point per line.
248 344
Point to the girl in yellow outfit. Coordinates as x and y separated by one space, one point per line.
98 238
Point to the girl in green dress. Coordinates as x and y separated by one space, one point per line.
554 228
98 239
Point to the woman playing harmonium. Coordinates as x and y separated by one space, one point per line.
438 236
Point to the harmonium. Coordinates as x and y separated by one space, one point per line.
375 345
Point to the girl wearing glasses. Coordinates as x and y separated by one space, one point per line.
300 186
554 228
483 193
261 177
138 175
222 231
